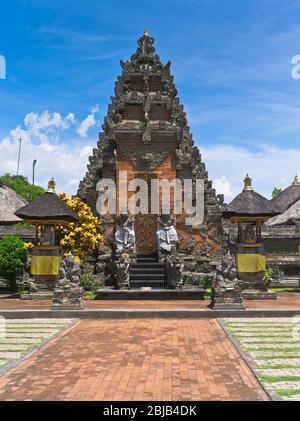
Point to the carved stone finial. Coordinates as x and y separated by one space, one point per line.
247 183
51 186
296 181
145 57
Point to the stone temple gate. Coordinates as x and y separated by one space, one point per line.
146 134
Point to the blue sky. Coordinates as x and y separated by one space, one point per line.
231 60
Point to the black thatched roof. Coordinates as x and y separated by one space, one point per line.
47 207
10 201
290 217
288 196
250 203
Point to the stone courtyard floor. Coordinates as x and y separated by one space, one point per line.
19 338
148 359
272 348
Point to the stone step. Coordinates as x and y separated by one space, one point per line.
154 265
147 256
138 283
147 276
147 259
147 270
161 293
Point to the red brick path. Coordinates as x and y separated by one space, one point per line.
153 359
285 301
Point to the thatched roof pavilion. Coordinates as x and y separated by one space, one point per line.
47 209
288 196
250 204
290 217
10 201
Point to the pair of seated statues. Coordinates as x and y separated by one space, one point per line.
166 235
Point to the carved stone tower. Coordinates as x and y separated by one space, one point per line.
146 134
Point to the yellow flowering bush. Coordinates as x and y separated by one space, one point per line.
28 246
82 236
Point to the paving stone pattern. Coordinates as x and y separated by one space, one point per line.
272 347
18 338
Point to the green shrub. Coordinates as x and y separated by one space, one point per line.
88 282
13 259
205 281
22 187
268 274
89 295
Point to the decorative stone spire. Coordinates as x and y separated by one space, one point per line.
145 57
51 186
145 83
247 183
296 181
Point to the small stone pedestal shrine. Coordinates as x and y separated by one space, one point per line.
47 213
226 288
249 210
68 294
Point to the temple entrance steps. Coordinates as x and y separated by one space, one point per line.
147 272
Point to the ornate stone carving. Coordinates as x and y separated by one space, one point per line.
173 268
145 57
67 292
125 235
226 290
147 135
167 238
143 158
122 273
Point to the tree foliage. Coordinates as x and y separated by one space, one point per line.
83 236
276 192
21 186
13 258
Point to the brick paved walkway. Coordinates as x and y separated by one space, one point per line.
153 359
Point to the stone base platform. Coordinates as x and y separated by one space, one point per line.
154 294
66 307
37 296
259 295
227 306
122 314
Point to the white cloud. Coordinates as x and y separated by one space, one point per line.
269 167
88 122
223 186
66 161
95 109
46 121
